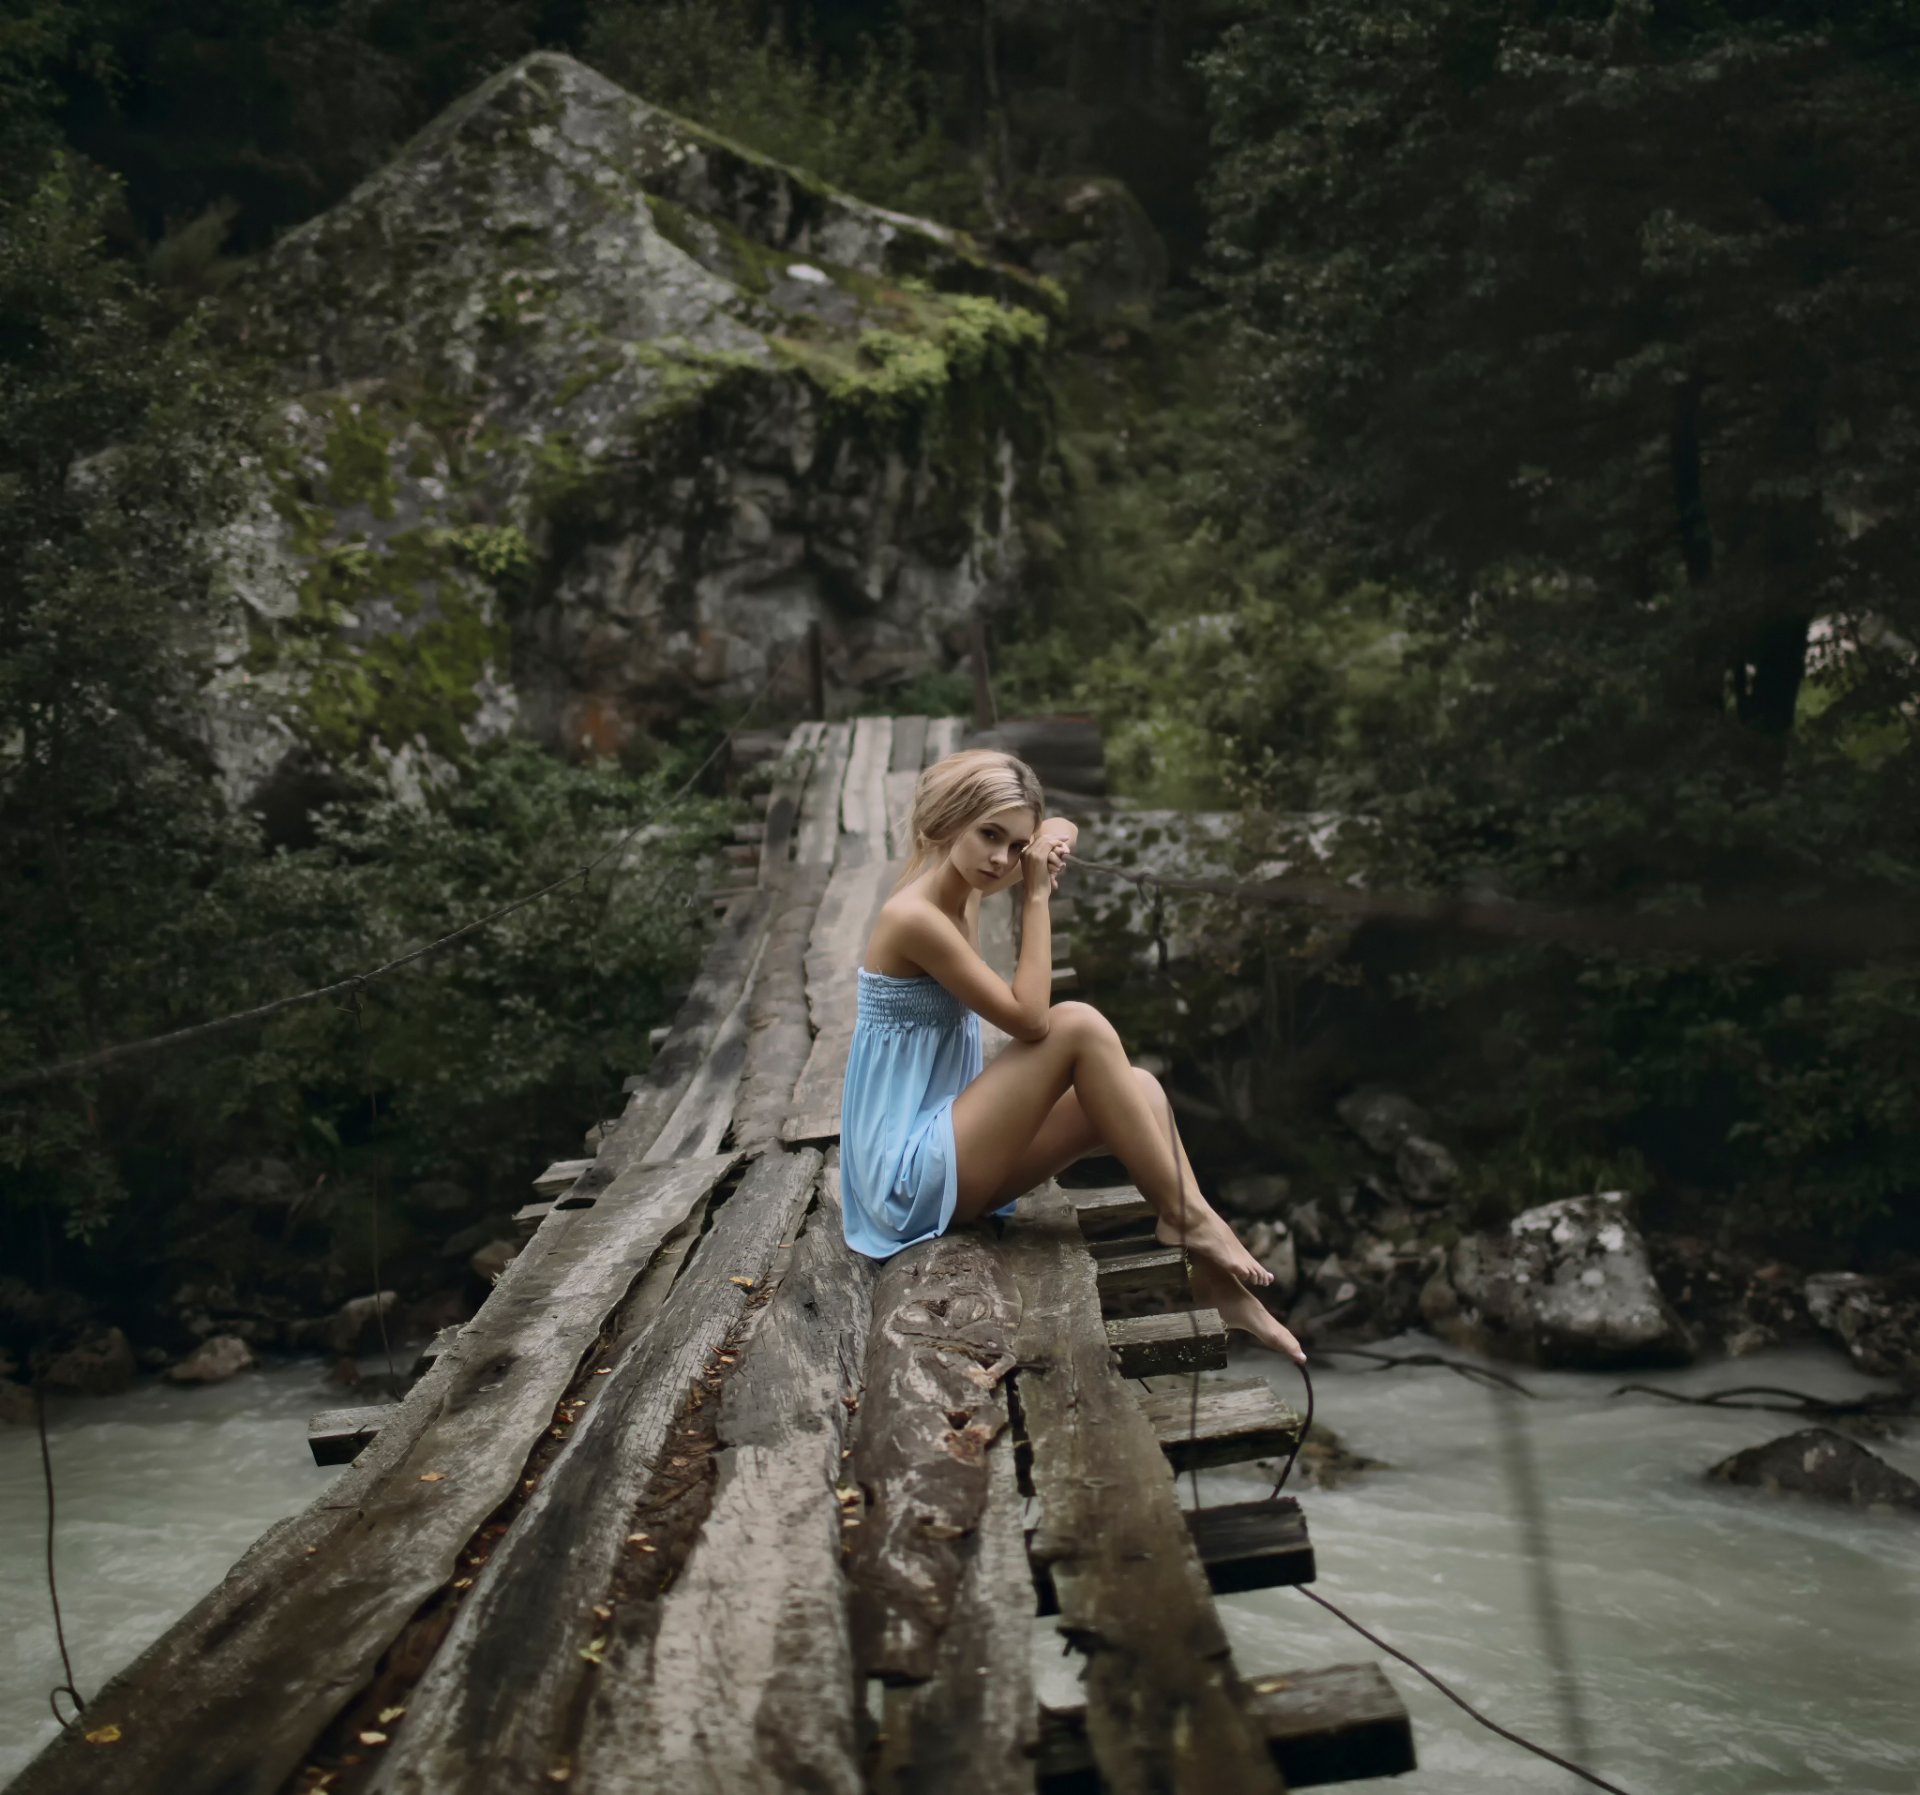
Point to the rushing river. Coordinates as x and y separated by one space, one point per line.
1718 1641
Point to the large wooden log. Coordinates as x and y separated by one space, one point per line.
943 738
783 802
944 1314
779 1038
748 1683
1165 1711
1340 1724
854 896
818 838
972 1729
230 1699
863 799
500 1705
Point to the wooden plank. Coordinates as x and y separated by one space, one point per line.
1230 1423
941 1345
972 1730
1341 1724
943 738
783 801
997 949
854 896
1253 1545
818 836
778 1036
863 799
1117 1210
903 775
723 976
502 1701
704 1114
1153 1271
1157 1345
529 1216
559 1176
752 1644
909 745
311 1609
339 1436
1164 1709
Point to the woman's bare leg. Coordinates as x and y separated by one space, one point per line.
997 1118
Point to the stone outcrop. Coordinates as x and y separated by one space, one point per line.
1819 1462
1567 1283
213 1361
589 413
100 1365
1876 1322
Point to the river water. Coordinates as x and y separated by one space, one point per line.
1718 1641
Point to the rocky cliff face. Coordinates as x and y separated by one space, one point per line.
588 414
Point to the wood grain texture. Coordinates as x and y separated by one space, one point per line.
1230 1423
704 1114
500 1704
1252 1545
863 798
944 1314
1157 1345
973 1729
854 894
778 1036
1164 1709
909 745
943 738
817 839
783 802
229 1700
748 1683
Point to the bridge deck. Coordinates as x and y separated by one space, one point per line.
701 1499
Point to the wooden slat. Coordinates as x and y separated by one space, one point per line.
1150 1270
558 1176
1104 1214
752 1642
1230 1423
1165 1711
529 1216
779 1038
943 738
501 1702
996 948
783 802
1340 1724
903 774
1157 1345
863 799
1253 1545
935 1403
312 1607
700 1121
339 1436
854 895
909 745
818 837
972 1730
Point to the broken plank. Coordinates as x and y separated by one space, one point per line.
817 839
863 798
529 1216
314 1605
853 897
1253 1545
1165 1711
938 1351
778 1036
1340 1724
339 1436
1228 1423
783 801
1155 1345
558 1176
724 1675
501 1701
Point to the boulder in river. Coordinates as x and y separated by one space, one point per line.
1382 1118
101 1365
1877 1324
16 1404
1819 1462
213 1361
1567 1283
356 1326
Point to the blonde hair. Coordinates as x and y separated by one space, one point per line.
961 789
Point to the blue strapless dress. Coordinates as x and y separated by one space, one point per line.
915 1048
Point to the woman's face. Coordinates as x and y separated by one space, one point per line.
987 852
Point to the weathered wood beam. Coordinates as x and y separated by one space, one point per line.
559 1176
1229 1424
943 738
1150 1271
940 1348
863 799
817 840
339 1436
1116 1210
1341 1724
903 774
747 1684
501 1702
783 802
1253 1545
1155 1345
854 894
309 1611
1165 1711
778 1036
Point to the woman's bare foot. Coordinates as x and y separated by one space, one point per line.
1208 1238
1240 1308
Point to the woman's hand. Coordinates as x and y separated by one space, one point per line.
1046 853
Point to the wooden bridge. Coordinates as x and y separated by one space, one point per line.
700 1500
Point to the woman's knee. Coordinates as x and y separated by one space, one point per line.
1080 1022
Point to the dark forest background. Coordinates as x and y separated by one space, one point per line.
1520 461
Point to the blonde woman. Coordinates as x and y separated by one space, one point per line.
928 1139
